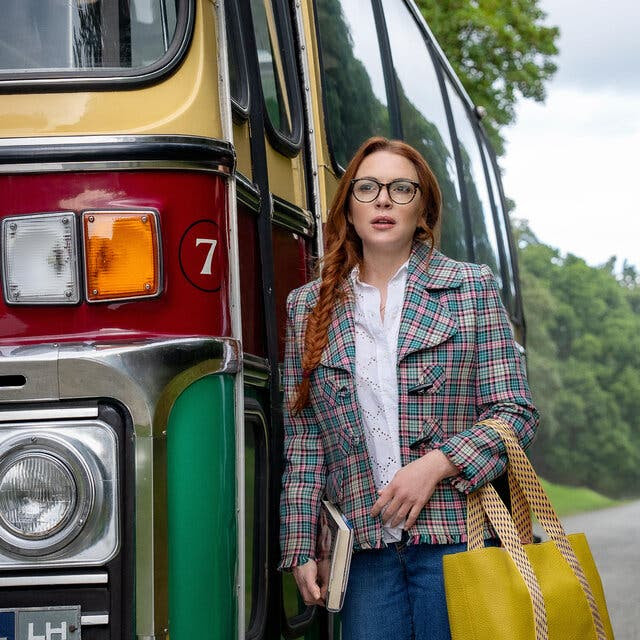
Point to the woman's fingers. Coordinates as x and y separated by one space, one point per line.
401 514
383 499
413 516
306 578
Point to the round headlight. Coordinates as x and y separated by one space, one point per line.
37 496
46 494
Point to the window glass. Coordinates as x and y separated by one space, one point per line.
272 71
424 119
67 35
255 495
485 242
509 286
237 68
355 96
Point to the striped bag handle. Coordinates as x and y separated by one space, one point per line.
486 500
531 492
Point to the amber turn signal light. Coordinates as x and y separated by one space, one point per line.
121 254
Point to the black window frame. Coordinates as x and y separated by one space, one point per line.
239 110
440 71
287 146
503 256
253 413
108 79
512 249
444 75
389 80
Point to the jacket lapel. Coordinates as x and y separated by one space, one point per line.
340 352
425 322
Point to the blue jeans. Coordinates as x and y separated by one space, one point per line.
397 593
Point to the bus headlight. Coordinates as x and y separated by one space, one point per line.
37 496
46 494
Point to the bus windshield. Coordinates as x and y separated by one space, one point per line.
84 35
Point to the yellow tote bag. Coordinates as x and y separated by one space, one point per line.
523 591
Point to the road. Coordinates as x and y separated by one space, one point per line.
614 538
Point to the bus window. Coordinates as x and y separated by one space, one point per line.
485 242
273 73
424 119
355 98
66 35
509 282
237 63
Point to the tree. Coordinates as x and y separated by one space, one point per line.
500 49
583 345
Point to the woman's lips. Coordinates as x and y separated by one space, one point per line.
382 222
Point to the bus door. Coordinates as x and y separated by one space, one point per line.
277 245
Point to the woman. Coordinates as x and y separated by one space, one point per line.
392 359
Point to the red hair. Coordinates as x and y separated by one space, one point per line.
343 249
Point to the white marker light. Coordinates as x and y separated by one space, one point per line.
40 259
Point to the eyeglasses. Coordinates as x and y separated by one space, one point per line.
400 191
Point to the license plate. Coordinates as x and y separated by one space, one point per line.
40 623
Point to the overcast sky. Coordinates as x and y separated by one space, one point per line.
572 164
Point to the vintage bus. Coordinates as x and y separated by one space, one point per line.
165 166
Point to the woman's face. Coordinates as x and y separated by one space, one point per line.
383 225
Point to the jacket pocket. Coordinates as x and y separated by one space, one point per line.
333 386
430 380
430 435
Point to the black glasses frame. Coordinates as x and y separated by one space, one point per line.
387 185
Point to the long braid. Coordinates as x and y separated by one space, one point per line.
335 269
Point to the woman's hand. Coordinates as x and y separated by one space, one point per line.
411 488
306 576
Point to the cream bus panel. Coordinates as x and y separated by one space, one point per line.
181 103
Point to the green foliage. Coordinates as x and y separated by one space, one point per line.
584 367
500 49
353 110
568 500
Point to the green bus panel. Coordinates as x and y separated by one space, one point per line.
201 512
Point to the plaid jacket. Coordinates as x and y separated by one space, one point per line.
457 365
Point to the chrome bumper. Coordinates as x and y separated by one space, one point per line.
146 376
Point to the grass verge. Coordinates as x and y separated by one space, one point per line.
570 500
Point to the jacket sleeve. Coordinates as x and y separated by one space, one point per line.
304 475
501 391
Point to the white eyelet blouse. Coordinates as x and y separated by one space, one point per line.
376 343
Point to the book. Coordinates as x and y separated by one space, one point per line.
334 549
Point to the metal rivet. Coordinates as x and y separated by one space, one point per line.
65 220
13 226
68 293
91 218
144 218
147 286
95 292
16 294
